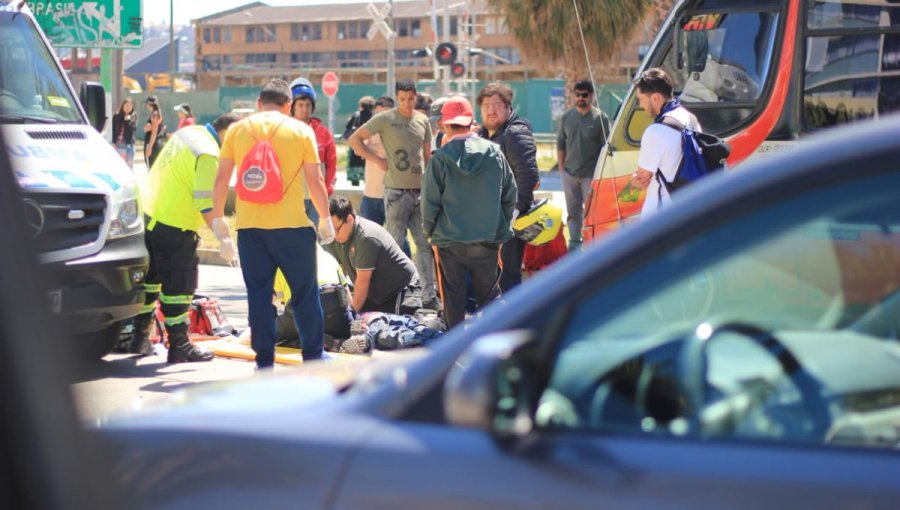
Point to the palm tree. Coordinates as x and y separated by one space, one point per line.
548 29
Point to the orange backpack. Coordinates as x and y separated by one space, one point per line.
259 178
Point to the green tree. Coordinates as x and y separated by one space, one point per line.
548 30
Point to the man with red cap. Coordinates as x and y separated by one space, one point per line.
468 198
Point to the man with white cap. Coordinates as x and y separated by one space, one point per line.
468 198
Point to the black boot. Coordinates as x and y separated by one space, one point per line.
140 337
181 349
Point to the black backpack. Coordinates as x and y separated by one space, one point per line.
703 154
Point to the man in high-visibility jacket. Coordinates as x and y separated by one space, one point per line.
178 198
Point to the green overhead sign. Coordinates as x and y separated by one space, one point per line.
90 24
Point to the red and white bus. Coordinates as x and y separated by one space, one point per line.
760 73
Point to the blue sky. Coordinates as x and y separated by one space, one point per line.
157 11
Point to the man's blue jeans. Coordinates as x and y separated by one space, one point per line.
372 209
294 251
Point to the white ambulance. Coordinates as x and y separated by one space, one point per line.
79 196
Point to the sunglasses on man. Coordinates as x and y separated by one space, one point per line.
582 94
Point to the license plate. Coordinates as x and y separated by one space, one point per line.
54 299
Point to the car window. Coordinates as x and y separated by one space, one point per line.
782 324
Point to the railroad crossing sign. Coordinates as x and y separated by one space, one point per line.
379 22
330 84
92 24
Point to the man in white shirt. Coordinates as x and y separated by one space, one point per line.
661 149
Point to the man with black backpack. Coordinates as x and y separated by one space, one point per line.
662 144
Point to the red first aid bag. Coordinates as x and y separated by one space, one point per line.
259 178
207 318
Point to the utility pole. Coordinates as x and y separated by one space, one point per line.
445 71
172 58
391 80
434 44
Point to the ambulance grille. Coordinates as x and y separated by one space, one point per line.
59 221
56 135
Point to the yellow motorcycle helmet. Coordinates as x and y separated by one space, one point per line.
540 224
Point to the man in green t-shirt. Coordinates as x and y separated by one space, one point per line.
582 133
406 137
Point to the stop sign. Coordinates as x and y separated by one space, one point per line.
330 84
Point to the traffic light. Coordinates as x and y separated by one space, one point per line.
445 53
457 69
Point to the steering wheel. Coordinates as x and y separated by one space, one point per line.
692 371
4 94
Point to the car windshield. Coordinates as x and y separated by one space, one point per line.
32 89
837 269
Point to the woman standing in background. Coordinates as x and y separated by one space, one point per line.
123 126
154 131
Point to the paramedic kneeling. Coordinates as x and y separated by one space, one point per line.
661 149
384 278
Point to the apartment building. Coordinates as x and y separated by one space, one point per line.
249 44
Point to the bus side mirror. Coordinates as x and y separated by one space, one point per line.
679 44
93 100
697 51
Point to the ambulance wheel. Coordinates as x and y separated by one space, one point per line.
93 346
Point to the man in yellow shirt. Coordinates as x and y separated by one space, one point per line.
177 199
277 235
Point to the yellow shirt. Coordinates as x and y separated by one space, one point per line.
295 145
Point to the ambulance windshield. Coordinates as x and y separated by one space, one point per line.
32 89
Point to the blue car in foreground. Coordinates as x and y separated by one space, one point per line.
739 350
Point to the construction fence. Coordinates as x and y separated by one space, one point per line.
541 101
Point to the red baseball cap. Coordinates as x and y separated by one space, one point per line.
457 111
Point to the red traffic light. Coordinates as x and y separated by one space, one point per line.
445 54
457 69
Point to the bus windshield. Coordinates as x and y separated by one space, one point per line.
32 88
727 59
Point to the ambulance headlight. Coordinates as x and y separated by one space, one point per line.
127 219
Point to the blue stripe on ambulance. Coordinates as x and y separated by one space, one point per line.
71 180
108 179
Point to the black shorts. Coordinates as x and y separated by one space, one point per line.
173 259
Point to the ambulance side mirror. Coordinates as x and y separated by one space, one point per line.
93 100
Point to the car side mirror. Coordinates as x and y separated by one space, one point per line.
493 385
93 100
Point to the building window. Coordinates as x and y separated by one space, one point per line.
259 34
354 59
261 58
352 29
217 35
212 62
490 26
454 26
508 56
312 60
226 33
306 31
206 35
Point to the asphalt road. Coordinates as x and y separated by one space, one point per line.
121 382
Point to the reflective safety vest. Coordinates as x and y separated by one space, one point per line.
180 185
